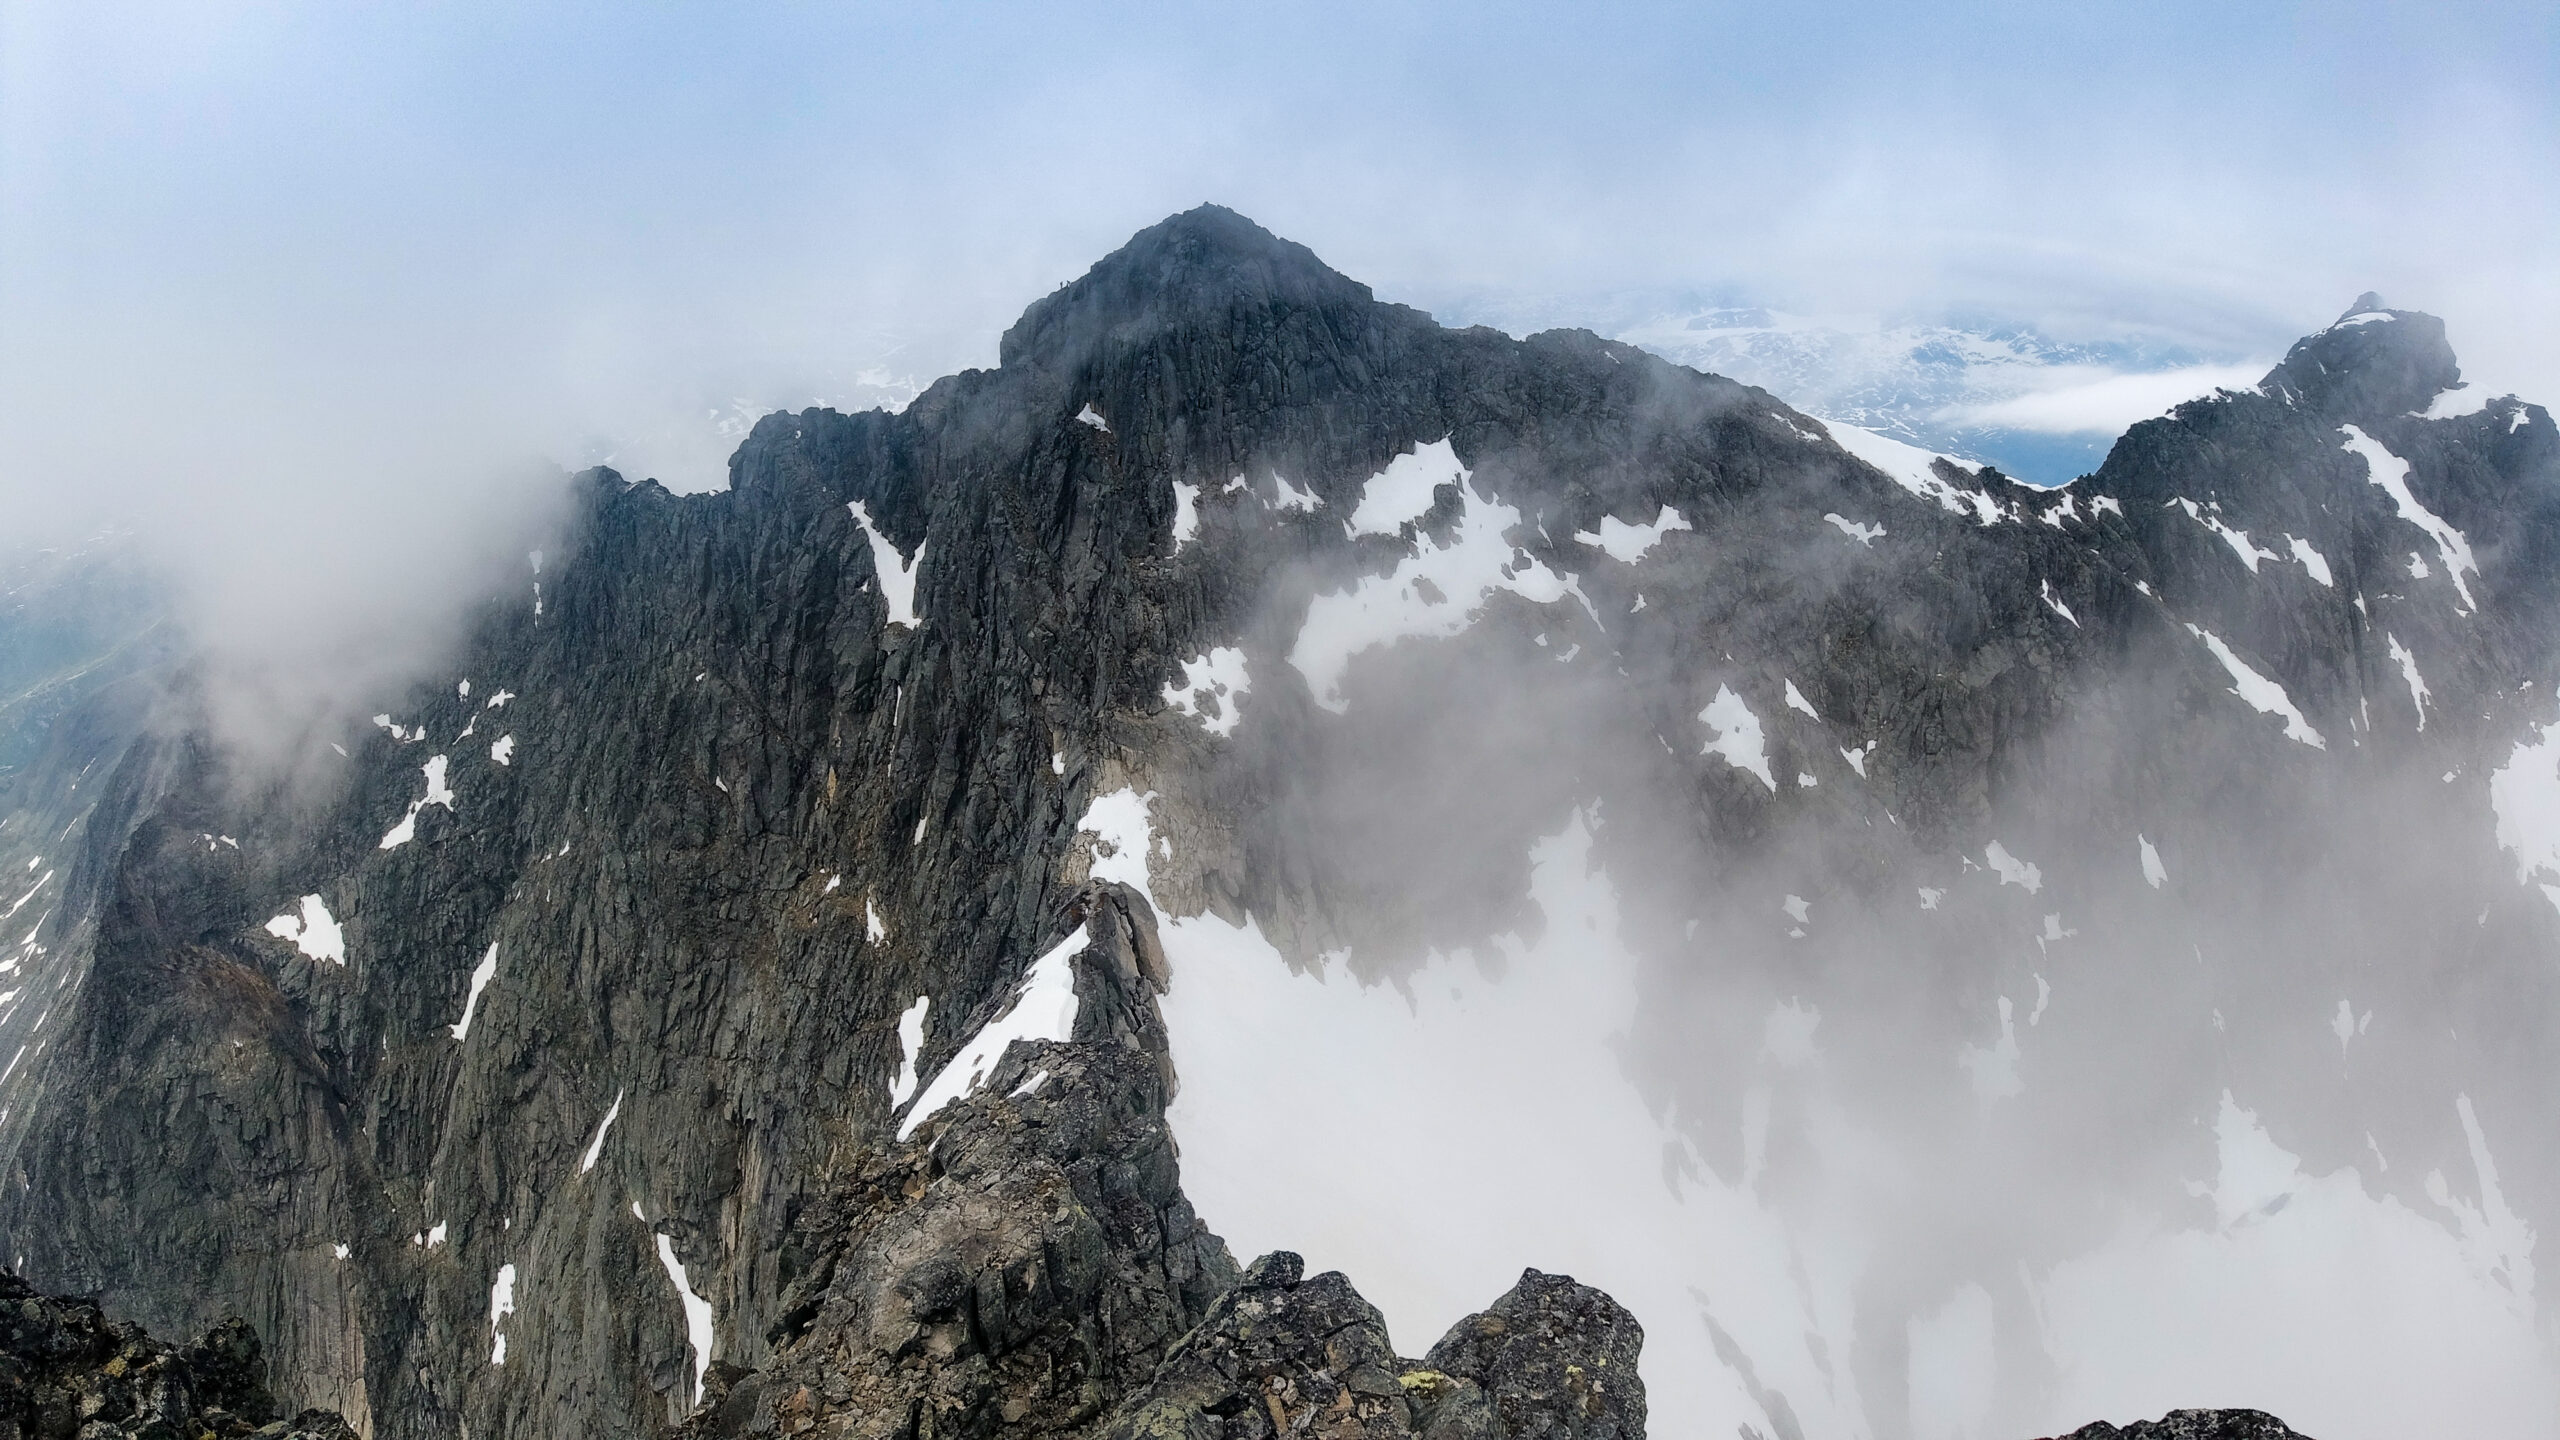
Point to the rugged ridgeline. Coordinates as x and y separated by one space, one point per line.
535 1065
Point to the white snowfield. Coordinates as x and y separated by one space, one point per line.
897 573
1438 591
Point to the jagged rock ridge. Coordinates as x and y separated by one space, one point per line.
612 1009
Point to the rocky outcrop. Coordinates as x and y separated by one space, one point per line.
2193 1425
1019 1263
69 1371
1289 1354
1025 1265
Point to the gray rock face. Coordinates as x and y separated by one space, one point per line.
486 1064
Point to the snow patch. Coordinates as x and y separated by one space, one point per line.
1211 688
697 1311
502 1303
1186 514
1403 491
504 752
1862 533
2011 869
910 1045
1043 1009
481 975
315 932
595 1147
2391 473
2408 662
2312 560
1627 543
2262 694
2154 873
1438 591
897 574
1737 736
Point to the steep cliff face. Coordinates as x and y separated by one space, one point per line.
519 1059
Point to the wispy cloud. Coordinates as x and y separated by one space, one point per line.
2076 403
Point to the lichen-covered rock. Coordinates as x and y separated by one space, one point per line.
1282 1353
1555 1361
67 1371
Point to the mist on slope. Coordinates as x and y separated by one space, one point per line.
1890 1110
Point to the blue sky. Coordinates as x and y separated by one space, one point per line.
257 246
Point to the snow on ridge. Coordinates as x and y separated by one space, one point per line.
1910 467
1738 738
2262 694
1211 689
1043 1009
1090 416
1403 491
897 574
1627 543
2391 473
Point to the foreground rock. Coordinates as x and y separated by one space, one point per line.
72 1372
2194 1425
1026 1265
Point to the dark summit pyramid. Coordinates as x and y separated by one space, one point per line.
1980 865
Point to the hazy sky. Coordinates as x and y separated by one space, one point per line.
279 254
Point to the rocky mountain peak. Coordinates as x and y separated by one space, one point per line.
2373 364
1204 264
